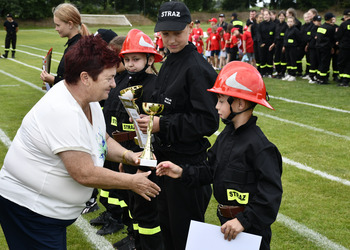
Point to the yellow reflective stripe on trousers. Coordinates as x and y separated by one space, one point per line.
104 193
149 231
135 226
344 75
241 198
117 202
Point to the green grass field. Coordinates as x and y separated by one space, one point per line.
311 127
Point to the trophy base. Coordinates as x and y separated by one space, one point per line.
148 163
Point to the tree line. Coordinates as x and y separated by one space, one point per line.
39 9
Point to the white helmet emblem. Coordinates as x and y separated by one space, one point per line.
143 43
232 82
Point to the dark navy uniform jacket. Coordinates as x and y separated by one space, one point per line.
292 37
245 169
189 109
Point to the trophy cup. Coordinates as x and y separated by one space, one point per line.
133 93
152 109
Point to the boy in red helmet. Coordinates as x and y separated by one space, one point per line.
138 53
243 165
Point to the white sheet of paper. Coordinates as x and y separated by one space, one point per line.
142 138
205 236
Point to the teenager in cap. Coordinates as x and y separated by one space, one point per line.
188 117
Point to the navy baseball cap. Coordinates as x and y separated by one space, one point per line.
346 12
317 18
106 34
9 15
328 16
172 16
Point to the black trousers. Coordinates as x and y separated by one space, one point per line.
256 55
280 58
344 64
145 218
266 60
11 38
314 61
291 56
334 59
325 60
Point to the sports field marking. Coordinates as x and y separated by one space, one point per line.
305 126
36 55
50 31
45 50
27 65
317 172
23 81
15 85
311 104
99 242
318 239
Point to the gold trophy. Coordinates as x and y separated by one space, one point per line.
152 109
133 93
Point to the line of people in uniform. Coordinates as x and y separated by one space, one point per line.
277 43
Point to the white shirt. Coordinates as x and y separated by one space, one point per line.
33 175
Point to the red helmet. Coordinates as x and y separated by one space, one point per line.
138 42
213 20
241 80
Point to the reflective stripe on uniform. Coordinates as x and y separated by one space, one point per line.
241 198
104 193
290 41
114 121
344 75
321 30
149 231
117 202
128 127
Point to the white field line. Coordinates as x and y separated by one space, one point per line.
27 65
45 50
99 242
23 81
317 172
317 238
16 85
304 126
311 104
47 31
36 55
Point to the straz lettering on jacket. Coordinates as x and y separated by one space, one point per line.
241 198
171 13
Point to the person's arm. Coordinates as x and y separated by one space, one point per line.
81 168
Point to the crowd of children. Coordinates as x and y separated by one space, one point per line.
277 43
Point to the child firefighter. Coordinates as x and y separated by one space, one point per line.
243 165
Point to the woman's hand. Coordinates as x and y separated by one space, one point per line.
143 186
170 169
231 229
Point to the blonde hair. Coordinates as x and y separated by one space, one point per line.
68 12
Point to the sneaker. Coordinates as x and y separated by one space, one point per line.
112 226
312 81
3 56
343 84
286 77
291 79
90 207
307 77
128 243
102 219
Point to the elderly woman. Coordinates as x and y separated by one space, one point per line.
57 155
